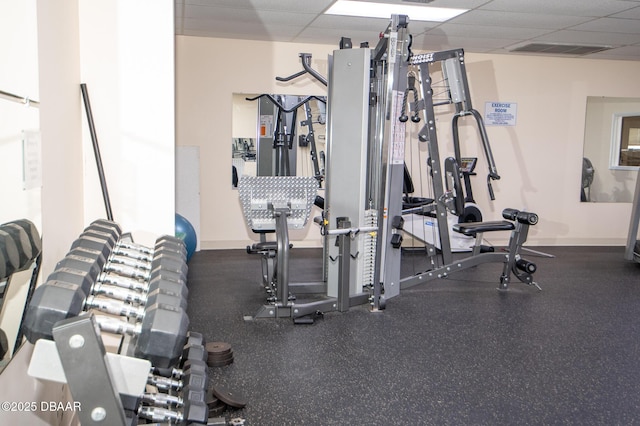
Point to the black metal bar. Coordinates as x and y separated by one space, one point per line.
306 64
96 150
282 107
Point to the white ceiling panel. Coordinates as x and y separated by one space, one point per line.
626 26
593 8
350 23
589 37
518 20
431 42
489 25
628 14
473 31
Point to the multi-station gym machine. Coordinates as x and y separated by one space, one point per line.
632 249
362 220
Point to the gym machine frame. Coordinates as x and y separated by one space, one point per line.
632 249
392 77
363 198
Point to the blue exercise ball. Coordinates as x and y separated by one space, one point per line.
186 232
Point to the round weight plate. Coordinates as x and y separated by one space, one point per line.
215 412
212 401
220 363
218 348
231 398
220 357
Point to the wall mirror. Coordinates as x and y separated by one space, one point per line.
278 135
611 154
21 171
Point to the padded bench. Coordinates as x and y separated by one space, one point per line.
471 229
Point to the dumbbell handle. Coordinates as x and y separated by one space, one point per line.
116 326
135 247
123 259
132 254
121 281
163 399
164 383
119 293
126 270
114 307
159 414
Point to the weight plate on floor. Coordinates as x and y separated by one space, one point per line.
218 348
215 412
220 357
220 361
231 398
213 402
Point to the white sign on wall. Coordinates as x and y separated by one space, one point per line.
500 113
31 159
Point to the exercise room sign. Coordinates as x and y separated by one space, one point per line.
500 113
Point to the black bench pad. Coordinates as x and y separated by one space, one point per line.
472 228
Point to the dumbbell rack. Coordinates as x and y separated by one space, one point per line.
110 388
81 355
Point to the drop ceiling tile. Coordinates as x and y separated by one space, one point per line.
626 26
482 31
349 23
431 42
594 8
589 37
519 20
628 14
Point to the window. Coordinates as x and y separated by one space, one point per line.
625 144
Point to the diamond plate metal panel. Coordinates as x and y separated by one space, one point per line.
261 195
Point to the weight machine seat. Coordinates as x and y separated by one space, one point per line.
470 229
408 201
264 247
413 202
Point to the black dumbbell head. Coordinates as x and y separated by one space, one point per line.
50 303
20 237
159 296
10 255
111 225
195 411
32 233
82 262
171 264
73 276
92 243
164 331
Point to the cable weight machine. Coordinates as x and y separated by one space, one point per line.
366 135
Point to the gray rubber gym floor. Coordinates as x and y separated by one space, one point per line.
448 352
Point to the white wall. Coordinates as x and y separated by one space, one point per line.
123 51
539 159
18 75
127 62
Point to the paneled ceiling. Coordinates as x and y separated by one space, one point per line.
490 26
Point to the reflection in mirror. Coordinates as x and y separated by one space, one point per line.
609 166
278 135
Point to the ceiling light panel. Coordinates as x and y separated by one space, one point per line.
385 10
